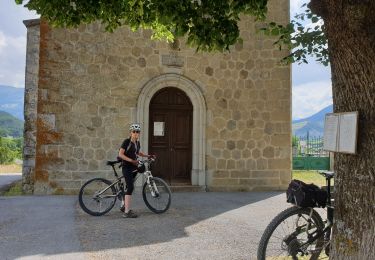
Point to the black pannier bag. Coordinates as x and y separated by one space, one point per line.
306 195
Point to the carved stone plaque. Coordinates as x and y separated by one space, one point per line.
172 60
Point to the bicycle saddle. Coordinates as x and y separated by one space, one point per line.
111 163
327 174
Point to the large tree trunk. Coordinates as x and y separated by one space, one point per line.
350 29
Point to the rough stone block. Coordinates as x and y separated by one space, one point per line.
281 140
269 152
240 174
265 174
221 174
281 164
226 181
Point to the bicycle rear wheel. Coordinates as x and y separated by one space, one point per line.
157 195
288 231
97 197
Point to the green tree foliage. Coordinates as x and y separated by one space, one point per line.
296 146
295 141
10 149
208 24
301 39
10 125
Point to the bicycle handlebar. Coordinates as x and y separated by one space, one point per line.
148 160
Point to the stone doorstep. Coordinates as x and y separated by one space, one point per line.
187 188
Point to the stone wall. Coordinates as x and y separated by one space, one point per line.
90 82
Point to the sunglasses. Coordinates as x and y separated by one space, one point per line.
136 131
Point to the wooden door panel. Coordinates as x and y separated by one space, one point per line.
161 166
182 124
181 143
159 145
182 166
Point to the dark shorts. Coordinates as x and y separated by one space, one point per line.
129 176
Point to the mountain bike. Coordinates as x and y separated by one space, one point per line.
298 232
98 196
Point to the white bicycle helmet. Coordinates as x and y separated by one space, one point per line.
135 127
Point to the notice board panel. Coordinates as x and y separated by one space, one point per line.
340 132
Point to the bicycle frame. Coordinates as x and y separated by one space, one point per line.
147 174
109 187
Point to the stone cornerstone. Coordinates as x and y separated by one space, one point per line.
85 86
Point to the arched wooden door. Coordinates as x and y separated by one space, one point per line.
171 121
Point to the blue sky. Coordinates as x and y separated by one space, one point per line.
311 83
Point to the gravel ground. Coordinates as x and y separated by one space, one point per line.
208 225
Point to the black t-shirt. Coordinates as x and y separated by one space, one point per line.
131 150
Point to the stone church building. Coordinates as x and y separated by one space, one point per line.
216 121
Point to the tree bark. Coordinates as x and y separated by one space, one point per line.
350 29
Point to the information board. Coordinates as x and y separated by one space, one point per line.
340 132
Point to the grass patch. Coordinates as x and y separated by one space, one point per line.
10 168
309 177
14 190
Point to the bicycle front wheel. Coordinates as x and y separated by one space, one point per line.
157 195
285 236
97 196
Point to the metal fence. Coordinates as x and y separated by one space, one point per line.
308 146
308 153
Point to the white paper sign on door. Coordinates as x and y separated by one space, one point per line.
158 128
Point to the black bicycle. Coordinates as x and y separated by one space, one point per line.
299 232
98 196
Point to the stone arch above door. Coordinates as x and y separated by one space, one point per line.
193 91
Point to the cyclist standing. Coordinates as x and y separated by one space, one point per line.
129 151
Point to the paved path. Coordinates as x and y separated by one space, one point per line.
7 179
209 225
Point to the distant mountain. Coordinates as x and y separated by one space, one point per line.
11 100
10 125
313 124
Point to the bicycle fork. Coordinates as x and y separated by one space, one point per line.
152 186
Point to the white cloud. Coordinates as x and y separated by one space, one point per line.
2 41
310 98
9 106
15 43
12 60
